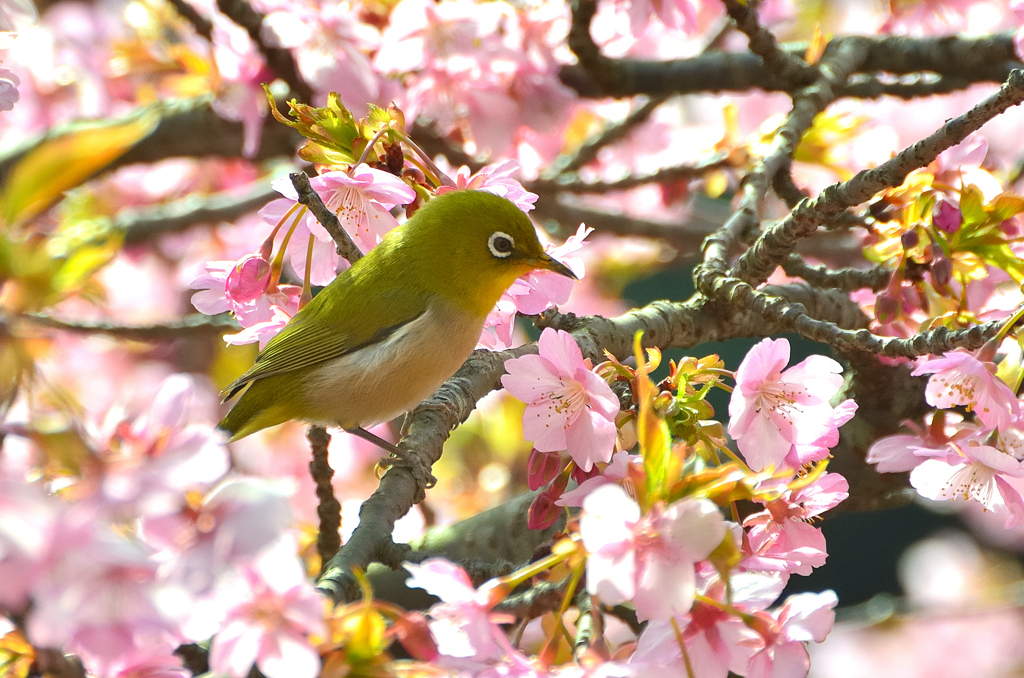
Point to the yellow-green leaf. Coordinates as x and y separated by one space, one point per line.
65 161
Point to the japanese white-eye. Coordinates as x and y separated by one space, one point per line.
387 332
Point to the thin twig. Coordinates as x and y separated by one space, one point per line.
188 326
328 219
143 224
328 540
757 262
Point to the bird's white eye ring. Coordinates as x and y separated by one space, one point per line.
501 244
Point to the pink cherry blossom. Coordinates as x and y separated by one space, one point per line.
780 538
973 471
780 644
150 463
261 332
680 15
233 525
248 278
362 198
903 452
28 519
801 454
568 407
234 286
242 69
618 469
462 624
958 378
102 599
648 559
150 666
271 610
330 45
539 290
496 179
771 410
711 634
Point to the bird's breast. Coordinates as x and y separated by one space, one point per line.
381 381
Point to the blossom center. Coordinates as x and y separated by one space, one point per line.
960 388
780 398
569 400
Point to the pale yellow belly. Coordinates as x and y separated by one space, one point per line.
380 382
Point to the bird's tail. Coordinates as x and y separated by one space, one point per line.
250 415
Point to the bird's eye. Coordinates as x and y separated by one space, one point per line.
501 244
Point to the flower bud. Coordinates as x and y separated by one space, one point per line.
248 278
946 216
414 635
886 307
942 271
543 512
541 468
910 239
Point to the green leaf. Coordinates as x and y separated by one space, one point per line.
652 431
61 163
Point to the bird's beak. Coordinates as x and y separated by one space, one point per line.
548 263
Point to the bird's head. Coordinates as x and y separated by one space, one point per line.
480 243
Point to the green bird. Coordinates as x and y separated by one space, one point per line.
387 332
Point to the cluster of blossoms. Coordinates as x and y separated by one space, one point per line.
154 545
981 459
659 541
363 197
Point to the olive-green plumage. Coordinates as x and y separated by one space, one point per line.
389 330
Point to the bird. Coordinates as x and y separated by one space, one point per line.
389 330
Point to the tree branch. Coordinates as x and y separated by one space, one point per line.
328 219
140 225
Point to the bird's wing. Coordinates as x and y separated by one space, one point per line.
309 338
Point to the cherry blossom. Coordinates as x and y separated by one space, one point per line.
151 462
234 286
780 538
568 407
780 644
958 378
771 410
261 332
102 600
362 198
28 521
903 452
242 70
462 624
234 524
711 633
648 559
496 179
973 471
271 612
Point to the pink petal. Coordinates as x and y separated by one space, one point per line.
589 440
664 588
763 362
562 350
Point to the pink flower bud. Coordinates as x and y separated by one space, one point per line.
946 216
910 239
541 468
942 271
886 307
414 635
248 278
543 512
